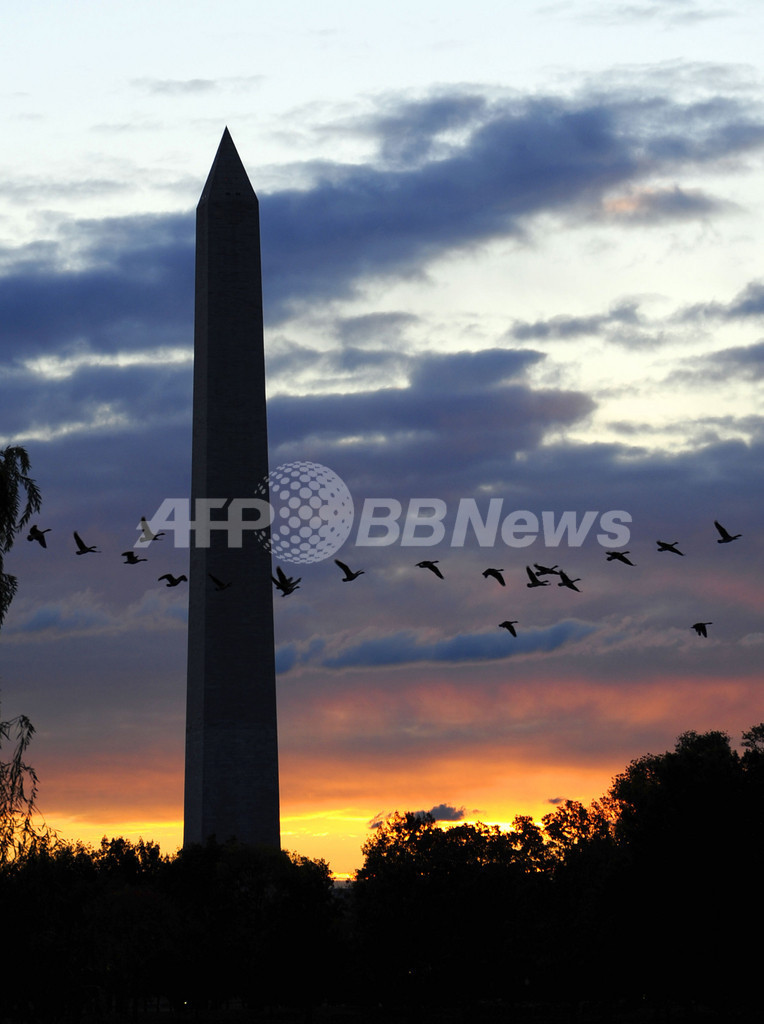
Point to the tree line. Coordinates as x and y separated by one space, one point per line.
648 897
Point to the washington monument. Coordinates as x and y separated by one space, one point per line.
232 787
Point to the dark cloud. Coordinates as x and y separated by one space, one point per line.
440 812
470 371
133 290
115 282
652 206
517 159
374 328
444 812
411 133
743 362
402 430
748 303
405 648
563 327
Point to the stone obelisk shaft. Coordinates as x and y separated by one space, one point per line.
231 787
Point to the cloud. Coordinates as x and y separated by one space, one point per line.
564 328
654 205
444 812
470 371
176 86
477 427
374 328
440 812
511 160
84 613
673 12
406 647
108 284
747 304
107 287
744 362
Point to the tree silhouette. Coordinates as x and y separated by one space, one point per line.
19 499
18 792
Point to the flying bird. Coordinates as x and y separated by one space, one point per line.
700 628
131 558
496 573
82 547
534 580
146 532
725 537
35 533
509 625
432 566
566 581
172 581
286 584
543 570
665 546
219 585
349 574
620 556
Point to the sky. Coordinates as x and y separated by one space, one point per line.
510 253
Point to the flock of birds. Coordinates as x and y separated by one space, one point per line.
130 557
288 584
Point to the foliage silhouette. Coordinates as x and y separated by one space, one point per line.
19 499
642 898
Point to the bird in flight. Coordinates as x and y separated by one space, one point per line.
432 566
725 537
509 625
543 570
496 573
286 584
147 533
35 533
172 581
82 547
700 628
665 546
534 579
566 581
219 585
349 574
620 556
131 558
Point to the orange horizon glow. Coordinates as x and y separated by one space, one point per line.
337 834
333 789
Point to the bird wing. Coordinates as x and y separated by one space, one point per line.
80 542
345 568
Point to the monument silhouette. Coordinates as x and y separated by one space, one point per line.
231 783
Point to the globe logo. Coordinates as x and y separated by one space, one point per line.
312 512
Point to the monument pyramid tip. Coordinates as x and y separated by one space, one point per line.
227 174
